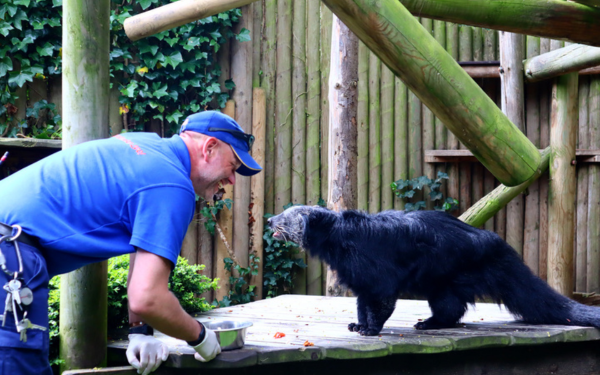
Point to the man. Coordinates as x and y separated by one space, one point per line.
132 193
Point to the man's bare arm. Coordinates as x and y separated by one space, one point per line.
151 301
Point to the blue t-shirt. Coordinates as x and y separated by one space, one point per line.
104 198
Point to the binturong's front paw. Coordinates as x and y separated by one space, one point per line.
356 327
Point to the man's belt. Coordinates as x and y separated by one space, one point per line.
7 230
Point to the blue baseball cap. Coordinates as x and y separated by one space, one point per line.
224 128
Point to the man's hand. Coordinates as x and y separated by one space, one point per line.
146 353
208 348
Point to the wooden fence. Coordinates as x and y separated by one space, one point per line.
398 138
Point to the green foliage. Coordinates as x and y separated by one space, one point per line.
210 211
280 264
405 189
185 282
241 291
165 77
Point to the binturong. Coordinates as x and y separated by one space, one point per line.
429 254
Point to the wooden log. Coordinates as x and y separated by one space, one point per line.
362 122
571 58
406 48
491 71
387 137
491 204
283 109
176 14
400 136
85 59
531 233
428 131
313 182
268 66
299 124
593 221
583 142
563 183
326 28
225 223
490 45
592 3
257 187
513 92
465 53
545 90
241 73
343 101
257 26
546 18
375 133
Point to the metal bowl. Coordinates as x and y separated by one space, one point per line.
231 334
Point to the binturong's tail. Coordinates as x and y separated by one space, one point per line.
530 298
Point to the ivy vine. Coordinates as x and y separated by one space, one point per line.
163 77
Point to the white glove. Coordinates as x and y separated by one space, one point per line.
146 353
208 348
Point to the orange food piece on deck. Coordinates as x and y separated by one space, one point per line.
279 335
308 343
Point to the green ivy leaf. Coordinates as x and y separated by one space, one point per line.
229 85
152 48
6 65
20 16
243 36
174 59
130 89
174 117
22 2
172 41
19 79
46 50
162 91
56 3
145 4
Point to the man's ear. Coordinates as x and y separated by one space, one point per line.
209 147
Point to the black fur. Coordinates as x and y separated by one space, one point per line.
425 253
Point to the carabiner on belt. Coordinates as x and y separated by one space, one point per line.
17 251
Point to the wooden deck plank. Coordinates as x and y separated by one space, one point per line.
30 142
323 321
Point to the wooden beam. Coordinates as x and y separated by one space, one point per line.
592 3
556 19
85 84
561 61
176 14
455 156
407 49
492 71
489 205
563 183
343 100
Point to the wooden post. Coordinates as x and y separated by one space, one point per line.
593 234
176 14
85 59
512 50
465 53
441 133
493 202
554 19
343 101
225 222
257 187
313 105
531 243
299 124
206 253
257 39
563 183
362 121
189 246
241 73
284 107
387 137
452 169
428 131
477 169
568 59
489 54
269 46
400 136
375 133
583 143
326 28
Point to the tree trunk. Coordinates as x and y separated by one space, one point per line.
561 61
85 80
563 183
343 153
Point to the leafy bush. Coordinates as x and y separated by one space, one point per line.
280 264
185 282
405 189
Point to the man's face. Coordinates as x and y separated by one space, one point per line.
218 170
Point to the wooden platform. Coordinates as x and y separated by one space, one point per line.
323 321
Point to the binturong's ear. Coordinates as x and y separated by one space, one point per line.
319 225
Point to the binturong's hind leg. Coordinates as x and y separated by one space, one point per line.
447 309
361 306
378 312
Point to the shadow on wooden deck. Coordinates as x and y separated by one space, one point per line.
489 342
